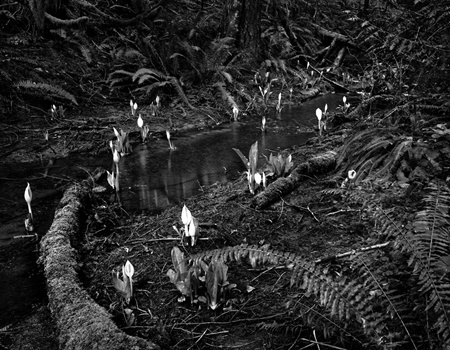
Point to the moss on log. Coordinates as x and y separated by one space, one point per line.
319 164
81 322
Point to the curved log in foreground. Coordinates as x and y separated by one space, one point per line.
81 322
319 164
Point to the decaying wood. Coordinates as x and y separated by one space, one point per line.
81 322
319 164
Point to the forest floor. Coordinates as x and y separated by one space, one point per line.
319 219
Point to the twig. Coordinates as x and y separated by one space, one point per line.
199 338
262 273
342 211
297 207
315 338
27 236
312 213
352 252
169 239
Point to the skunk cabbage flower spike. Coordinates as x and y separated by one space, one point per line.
116 156
186 218
235 113
28 197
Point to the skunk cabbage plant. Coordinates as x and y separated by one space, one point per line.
250 164
28 195
190 225
180 275
280 166
124 286
216 283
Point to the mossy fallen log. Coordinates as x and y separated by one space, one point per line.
320 164
81 322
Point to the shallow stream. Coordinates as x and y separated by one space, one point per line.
151 178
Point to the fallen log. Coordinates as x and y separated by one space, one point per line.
81 322
319 164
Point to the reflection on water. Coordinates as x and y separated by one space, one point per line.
153 177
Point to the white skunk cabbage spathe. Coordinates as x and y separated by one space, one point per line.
140 122
258 179
28 195
128 269
193 231
116 156
186 218
190 224
319 114
235 112
319 119
171 145
111 178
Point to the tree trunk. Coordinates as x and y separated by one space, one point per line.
249 34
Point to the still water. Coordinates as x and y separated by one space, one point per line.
154 177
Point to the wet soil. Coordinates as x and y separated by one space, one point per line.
317 220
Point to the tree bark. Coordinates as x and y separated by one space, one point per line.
249 34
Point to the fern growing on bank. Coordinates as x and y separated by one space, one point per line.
150 78
47 90
382 294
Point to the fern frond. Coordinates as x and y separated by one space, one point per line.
226 96
257 255
218 52
46 89
129 53
431 242
146 73
119 72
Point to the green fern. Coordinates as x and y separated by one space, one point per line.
44 88
144 74
349 297
431 257
226 96
381 293
374 152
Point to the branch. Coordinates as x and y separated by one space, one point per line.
345 40
352 252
